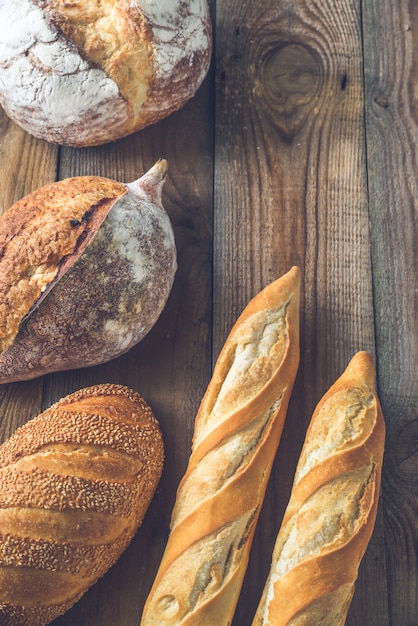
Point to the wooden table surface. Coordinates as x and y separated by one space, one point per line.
301 147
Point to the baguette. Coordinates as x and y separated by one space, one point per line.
237 432
332 509
75 483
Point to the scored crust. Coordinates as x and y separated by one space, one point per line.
116 37
237 432
332 508
88 72
75 483
39 233
90 280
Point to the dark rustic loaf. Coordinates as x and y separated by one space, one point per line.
88 72
332 509
86 267
237 432
75 483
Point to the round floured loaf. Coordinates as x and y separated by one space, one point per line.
86 72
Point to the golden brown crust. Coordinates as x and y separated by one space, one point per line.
237 431
332 509
116 38
75 483
41 235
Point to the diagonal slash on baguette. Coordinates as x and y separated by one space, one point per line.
332 508
237 432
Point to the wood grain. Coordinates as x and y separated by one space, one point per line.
290 126
391 81
301 147
26 163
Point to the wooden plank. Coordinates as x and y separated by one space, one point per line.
26 163
391 57
290 188
171 366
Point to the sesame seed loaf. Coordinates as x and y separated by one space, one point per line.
88 72
75 483
237 432
332 509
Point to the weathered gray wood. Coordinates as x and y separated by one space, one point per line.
391 81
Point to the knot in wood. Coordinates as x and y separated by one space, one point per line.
290 81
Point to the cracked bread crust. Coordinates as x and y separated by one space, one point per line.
39 236
86 72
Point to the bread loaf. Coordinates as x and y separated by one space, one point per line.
237 431
75 483
88 72
86 267
332 509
